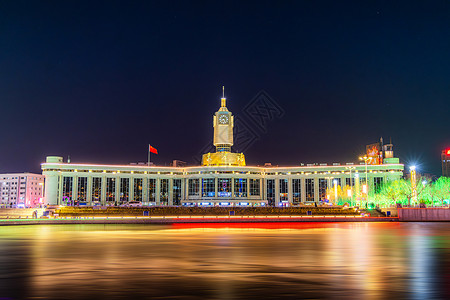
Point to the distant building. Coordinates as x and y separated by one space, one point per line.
21 190
445 158
222 179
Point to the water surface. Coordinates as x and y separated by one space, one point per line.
251 261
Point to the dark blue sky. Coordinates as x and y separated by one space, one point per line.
100 80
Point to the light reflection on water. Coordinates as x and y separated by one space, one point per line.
303 260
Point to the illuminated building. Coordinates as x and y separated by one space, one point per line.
222 179
445 158
21 190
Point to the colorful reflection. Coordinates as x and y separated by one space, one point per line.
258 260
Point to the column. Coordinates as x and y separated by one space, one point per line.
103 193
232 188
277 191
75 188
117 194
131 189
89 190
261 188
145 190
183 191
158 191
316 189
303 190
216 187
170 200
60 189
290 191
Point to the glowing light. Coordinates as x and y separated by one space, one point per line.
447 151
364 188
412 168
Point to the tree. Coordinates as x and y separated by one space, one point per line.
406 189
391 190
441 189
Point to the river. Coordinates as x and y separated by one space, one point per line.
216 261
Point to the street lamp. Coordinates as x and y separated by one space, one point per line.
413 184
357 187
335 191
366 186
351 182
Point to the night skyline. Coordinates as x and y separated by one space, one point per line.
101 81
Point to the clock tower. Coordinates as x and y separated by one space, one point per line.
223 123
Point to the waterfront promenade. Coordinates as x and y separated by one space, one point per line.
175 215
180 215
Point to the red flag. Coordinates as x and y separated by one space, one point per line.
152 149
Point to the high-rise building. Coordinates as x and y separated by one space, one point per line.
21 190
445 158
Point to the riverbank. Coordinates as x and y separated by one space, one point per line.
168 220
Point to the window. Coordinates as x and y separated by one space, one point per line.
322 188
176 191
338 181
224 188
240 187
283 190
152 190
254 187
296 190
67 189
194 187
347 182
110 189
208 187
82 188
138 189
124 189
377 183
271 191
309 186
96 189
164 191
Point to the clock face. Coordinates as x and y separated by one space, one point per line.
223 119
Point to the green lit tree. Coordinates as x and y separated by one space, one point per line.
441 189
406 190
390 192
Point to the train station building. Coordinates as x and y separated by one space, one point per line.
223 178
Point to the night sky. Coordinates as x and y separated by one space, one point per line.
99 81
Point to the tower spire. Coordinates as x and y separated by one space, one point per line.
223 104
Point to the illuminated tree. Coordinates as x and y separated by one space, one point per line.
441 189
406 189
342 195
391 192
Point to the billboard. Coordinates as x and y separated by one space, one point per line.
373 152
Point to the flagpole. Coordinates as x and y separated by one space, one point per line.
149 155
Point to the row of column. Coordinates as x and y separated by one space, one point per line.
54 188
117 189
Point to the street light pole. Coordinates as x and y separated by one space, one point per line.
351 183
413 184
366 159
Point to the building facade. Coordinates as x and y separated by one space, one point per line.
222 179
445 159
21 190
